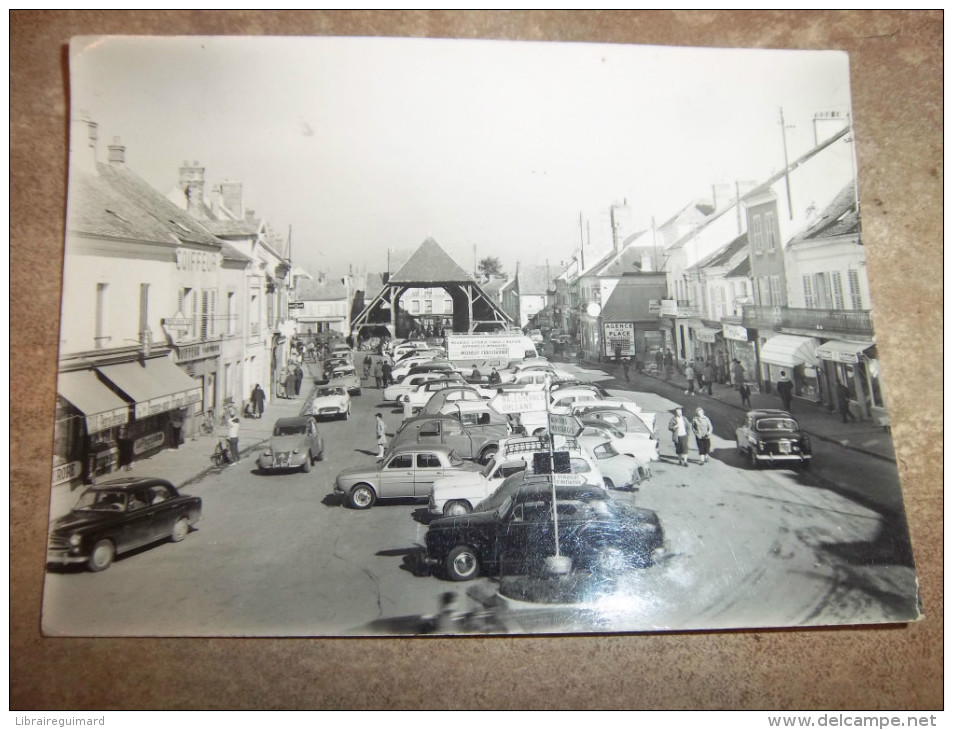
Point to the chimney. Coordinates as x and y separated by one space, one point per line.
232 198
117 153
646 262
721 195
84 134
192 183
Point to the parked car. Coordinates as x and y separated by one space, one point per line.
454 394
596 532
407 471
295 444
346 376
331 401
642 446
117 516
626 418
335 362
478 441
619 471
771 436
457 495
422 394
409 383
536 336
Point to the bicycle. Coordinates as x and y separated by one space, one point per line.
222 455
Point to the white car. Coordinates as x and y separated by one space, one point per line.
421 395
393 393
460 493
403 367
347 378
643 447
619 471
331 401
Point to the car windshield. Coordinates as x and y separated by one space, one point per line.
322 392
291 430
338 374
105 501
776 424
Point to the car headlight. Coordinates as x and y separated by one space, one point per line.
75 540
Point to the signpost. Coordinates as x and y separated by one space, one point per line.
519 401
564 425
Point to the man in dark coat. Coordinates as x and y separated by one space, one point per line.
258 401
785 390
387 369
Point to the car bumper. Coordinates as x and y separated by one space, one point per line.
771 458
276 464
330 411
64 557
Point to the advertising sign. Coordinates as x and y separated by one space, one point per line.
619 335
568 480
487 347
735 332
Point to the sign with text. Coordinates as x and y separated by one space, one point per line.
519 401
619 336
487 347
568 480
564 425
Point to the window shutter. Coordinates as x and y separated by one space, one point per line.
809 300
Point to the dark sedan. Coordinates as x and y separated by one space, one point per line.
595 532
773 437
118 516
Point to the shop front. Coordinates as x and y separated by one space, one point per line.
710 346
200 362
158 389
89 418
855 364
740 346
795 356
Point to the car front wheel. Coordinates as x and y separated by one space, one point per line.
362 497
462 563
608 483
306 466
180 529
456 508
101 556
487 454
752 458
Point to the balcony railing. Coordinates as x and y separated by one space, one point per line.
853 321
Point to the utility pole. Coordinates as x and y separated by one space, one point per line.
787 175
582 245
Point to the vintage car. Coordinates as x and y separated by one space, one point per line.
407 471
771 436
619 471
478 441
454 394
625 416
335 362
457 495
346 376
117 516
596 533
642 446
422 394
295 444
331 401
409 383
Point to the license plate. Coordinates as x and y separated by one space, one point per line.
784 447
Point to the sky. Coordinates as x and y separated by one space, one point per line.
493 148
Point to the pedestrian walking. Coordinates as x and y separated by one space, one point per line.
702 428
709 375
367 367
299 376
387 373
233 425
175 421
258 401
378 374
283 383
475 376
786 390
679 427
843 402
745 393
737 373
625 368
669 364
659 360
690 379
700 374
381 429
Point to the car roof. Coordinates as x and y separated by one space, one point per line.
770 412
128 483
402 448
294 421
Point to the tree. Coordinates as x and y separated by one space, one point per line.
490 266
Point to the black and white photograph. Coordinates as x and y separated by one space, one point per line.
380 336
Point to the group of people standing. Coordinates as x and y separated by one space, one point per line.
289 380
700 426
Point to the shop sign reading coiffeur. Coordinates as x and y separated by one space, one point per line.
190 260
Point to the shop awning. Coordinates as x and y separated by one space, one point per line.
706 334
156 386
789 351
839 351
103 408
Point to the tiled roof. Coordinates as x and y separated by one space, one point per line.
230 253
533 280
116 203
247 227
839 218
742 269
494 285
311 290
430 264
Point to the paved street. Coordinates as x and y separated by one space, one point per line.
277 554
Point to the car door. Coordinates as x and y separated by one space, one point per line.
429 433
397 476
429 468
526 536
456 437
141 525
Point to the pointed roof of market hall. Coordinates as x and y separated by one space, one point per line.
430 263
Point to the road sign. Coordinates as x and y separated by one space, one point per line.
519 401
568 480
564 425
